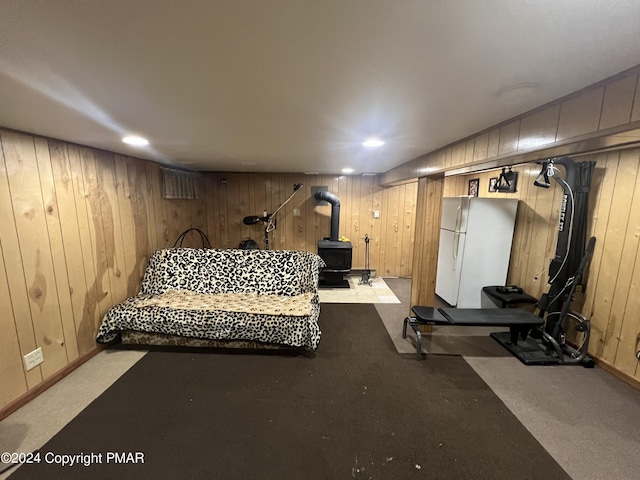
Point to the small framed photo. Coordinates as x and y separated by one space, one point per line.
474 187
492 184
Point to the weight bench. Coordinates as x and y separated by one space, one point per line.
518 320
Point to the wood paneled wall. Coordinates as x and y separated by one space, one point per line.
611 299
425 256
301 223
78 226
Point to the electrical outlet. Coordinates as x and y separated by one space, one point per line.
33 359
376 214
296 212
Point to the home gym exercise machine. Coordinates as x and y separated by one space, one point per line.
541 339
549 346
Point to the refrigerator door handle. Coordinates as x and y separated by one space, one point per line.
458 219
456 242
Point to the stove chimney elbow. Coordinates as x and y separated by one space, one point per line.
335 211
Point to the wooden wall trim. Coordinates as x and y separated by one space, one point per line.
49 382
634 382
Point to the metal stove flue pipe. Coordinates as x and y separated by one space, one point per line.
335 212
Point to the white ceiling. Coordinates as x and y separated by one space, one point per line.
296 85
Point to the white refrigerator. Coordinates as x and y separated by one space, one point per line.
475 247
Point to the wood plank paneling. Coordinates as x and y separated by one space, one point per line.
139 210
539 128
509 135
36 256
440 159
618 102
408 230
494 143
70 230
469 149
102 257
448 159
427 237
56 244
222 224
78 227
299 228
540 226
154 214
14 273
392 221
126 225
481 147
354 232
14 382
90 311
581 114
625 301
112 224
619 255
457 157
391 235
366 216
377 231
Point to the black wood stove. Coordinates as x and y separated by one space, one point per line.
336 254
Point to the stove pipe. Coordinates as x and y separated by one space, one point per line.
335 212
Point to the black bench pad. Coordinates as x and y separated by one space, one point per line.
490 317
430 315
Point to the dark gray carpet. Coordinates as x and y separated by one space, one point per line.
355 410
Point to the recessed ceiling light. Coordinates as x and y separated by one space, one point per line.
347 170
135 140
373 142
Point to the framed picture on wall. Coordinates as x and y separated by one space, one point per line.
492 184
474 187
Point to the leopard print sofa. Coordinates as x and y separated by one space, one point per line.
267 297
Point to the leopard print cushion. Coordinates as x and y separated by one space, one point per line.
266 272
220 272
298 305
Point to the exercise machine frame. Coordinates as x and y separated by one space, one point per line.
537 345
